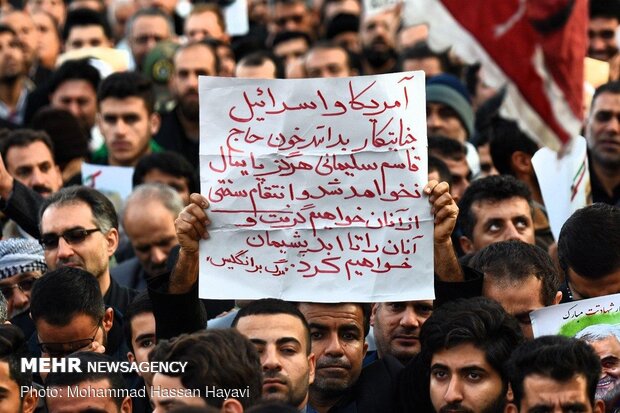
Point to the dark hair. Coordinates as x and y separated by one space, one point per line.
443 146
516 261
506 138
478 321
421 50
272 406
85 17
216 358
124 85
70 140
7 29
79 69
168 162
285 36
73 378
12 349
366 312
490 188
63 293
609 87
273 306
101 207
557 357
589 242
22 138
141 304
436 164
605 8
259 58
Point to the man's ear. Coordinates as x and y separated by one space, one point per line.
373 313
521 163
112 239
558 297
155 122
108 319
234 406
312 364
126 406
29 402
466 244
512 408
599 406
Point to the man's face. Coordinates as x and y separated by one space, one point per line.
65 403
142 341
603 131
78 97
397 327
203 26
16 290
337 334
152 235
78 335
179 184
517 298
327 63
54 7
12 61
265 71
86 36
441 119
463 381
378 37
48 42
292 17
541 393
28 36
281 341
188 65
608 350
146 31
461 175
430 65
291 51
602 38
11 402
93 254
584 287
34 166
172 394
127 128
499 221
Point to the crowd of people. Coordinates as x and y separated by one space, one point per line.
115 82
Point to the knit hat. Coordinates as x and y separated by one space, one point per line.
18 255
447 89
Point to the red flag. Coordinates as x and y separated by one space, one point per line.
534 47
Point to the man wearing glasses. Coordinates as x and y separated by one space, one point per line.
69 315
79 228
21 263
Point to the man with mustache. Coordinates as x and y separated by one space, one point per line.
602 133
605 340
179 130
378 36
460 366
282 337
29 159
602 26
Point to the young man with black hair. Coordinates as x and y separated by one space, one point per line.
69 314
460 366
602 26
86 28
167 168
554 373
223 370
99 391
282 337
454 155
127 119
13 380
589 252
493 209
